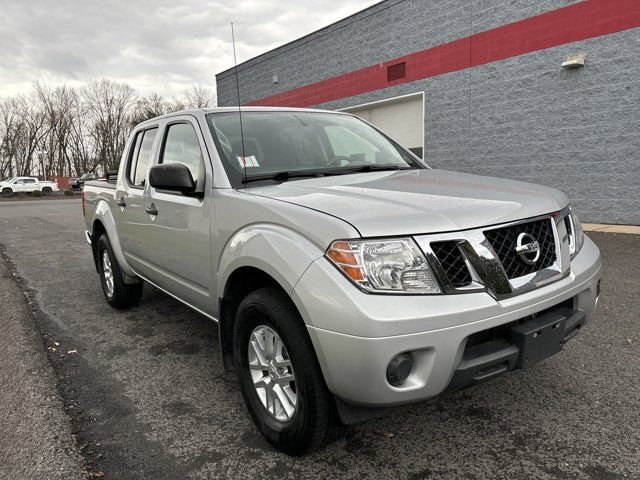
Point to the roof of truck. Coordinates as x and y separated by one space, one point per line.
205 111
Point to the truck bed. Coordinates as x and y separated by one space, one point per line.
96 192
110 185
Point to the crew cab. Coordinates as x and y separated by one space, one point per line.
26 185
345 275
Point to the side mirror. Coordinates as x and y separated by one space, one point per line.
174 177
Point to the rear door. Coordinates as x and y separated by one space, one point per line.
178 235
31 184
130 198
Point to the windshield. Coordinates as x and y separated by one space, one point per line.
9 180
302 142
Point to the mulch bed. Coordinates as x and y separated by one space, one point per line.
52 196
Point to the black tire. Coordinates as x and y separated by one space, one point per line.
124 295
46 190
315 422
7 192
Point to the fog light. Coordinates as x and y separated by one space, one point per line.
399 369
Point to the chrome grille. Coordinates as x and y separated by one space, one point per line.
453 264
489 256
503 240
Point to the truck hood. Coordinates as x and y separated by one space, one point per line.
418 201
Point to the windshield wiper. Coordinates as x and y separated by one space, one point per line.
372 167
283 176
377 168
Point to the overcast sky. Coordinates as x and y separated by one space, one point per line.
154 45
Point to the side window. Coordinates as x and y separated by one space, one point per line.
29 180
141 157
133 157
19 182
181 146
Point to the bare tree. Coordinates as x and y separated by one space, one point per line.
149 107
23 127
8 123
69 131
59 108
80 138
109 104
198 96
155 105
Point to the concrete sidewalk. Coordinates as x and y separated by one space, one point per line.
604 228
36 440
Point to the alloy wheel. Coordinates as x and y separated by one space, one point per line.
107 272
272 373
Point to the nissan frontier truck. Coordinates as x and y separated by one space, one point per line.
345 275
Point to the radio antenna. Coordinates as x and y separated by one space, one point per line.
235 62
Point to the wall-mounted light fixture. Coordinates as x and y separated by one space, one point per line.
575 61
275 79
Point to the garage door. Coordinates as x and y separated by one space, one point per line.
401 118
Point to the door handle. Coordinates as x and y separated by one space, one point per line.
121 203
152 210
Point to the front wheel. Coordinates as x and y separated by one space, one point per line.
119 295
279 375
7 192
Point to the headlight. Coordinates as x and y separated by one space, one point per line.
576 235
384 266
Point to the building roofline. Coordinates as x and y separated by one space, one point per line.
305 38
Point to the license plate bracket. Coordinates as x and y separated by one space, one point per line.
539 338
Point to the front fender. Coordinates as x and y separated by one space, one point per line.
104 214
278 251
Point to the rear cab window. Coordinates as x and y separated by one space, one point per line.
140 157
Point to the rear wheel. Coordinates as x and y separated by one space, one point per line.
46 190
7 192
119 295
279 375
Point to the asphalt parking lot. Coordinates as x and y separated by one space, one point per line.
146 396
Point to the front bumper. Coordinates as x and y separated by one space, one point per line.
355 334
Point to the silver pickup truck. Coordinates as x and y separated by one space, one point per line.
345 275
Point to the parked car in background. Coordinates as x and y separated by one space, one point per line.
346 276
26 185
78 183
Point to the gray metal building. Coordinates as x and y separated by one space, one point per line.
479 86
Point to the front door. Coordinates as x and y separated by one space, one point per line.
177 240
18 186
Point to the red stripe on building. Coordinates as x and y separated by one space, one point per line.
588 19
